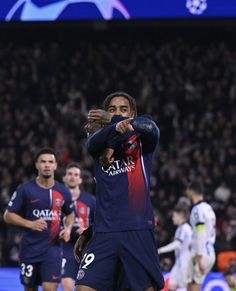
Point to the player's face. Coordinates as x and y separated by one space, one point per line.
46 165
72 178
120 106
176 218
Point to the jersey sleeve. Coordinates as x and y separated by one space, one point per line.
97 142
180 234
144 127
17 200
200 229
147 131
68 206
198 218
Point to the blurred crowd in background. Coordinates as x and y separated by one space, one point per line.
47 88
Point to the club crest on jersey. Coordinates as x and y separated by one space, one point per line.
58 202
82 210
80 274
131 145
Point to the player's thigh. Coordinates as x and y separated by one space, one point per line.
29 274
173 281
208 263
140 260
179 276
49 286
50 267
98 263
68 284
70 268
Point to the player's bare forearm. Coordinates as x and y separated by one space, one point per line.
69 220
13 218
66 231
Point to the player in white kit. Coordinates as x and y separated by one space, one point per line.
181 246
202 220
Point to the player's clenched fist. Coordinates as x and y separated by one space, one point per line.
38 224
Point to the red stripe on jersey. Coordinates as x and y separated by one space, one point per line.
83 212
136 183
57 202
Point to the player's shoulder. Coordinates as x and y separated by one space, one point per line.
199 206
26 185
187 227
61 188
87 196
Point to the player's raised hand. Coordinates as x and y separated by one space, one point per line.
38 225
99 115
124 125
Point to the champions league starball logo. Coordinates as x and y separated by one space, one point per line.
196 7
49 12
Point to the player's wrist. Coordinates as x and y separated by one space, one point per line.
29 224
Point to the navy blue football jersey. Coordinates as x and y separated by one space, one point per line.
122 189
33 202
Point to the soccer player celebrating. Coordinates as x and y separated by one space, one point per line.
123 227
181 246
203 222
37 206
84 207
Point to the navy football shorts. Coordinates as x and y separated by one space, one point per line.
46 270
70 268
135 251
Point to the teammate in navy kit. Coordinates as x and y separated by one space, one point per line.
84 206
123 228
37 206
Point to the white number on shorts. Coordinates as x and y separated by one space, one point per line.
63 263
87 259
26 270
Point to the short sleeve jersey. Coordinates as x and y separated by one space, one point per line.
184 235
202 214
33 202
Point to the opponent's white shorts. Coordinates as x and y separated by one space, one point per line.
194 274
179 276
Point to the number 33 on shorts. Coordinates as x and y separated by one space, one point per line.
26 270
87 260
